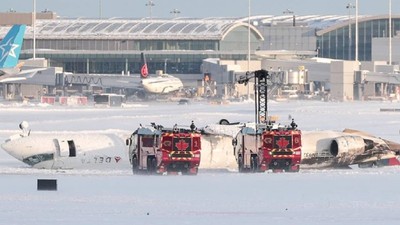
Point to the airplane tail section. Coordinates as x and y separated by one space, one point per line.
10 46
144 72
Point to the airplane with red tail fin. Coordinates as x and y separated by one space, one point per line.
158 84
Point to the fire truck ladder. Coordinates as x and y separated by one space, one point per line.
260 93
261 108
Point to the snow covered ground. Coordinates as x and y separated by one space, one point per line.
358 196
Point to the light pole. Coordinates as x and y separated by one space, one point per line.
175 12
248 37
390 32
248 47
356 54
165 65
288 11
100 9
150 4
34 29
350 7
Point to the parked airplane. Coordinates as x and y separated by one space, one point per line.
320 149
10 48
160 84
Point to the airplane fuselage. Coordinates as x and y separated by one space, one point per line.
69 151
162 84
320 149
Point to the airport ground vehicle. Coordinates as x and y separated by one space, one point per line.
274 148
266 145
159 150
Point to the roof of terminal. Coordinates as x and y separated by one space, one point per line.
181 28
177 28
314 21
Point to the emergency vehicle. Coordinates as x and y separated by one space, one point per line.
266 145
158 150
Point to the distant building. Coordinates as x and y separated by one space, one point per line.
338 40
114 45
13 17
180 45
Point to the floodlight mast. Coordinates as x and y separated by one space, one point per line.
260 93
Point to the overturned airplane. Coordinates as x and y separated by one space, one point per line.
320 149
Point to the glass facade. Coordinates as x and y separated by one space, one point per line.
237 40
340 43
114 46
98 46
299 38
110 63
122 45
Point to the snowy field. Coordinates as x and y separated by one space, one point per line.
357 196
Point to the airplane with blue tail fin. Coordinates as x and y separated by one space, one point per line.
10 49
10 46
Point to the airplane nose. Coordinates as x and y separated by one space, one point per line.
12 148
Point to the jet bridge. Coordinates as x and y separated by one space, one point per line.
101 80
376 84
378 77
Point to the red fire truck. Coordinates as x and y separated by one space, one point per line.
281 149
266 145
159 150
268 149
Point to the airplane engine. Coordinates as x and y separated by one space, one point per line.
24 125
346 148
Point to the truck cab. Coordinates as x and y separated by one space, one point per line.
160 150
268 148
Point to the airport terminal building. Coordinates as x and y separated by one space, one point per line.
114 45
179 46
